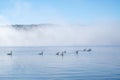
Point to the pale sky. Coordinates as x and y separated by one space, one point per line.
59 11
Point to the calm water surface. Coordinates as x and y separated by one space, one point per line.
102 63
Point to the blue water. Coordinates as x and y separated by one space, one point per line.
102 63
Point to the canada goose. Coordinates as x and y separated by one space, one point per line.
62 54
64 51
77 52
84 49
41 53
89 50
10 53
57 53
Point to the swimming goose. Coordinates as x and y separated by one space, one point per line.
41 53
89 50
10 53
57 53
62 54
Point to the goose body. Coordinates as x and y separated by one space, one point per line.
41 53
77 52
9 53
89 50
62 54
57 53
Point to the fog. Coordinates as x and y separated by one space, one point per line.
60 35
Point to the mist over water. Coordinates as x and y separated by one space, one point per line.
47 35
92 27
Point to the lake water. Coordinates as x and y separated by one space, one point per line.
102 63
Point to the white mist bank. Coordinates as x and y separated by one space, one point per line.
60 36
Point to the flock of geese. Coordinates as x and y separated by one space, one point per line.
77 52
60 53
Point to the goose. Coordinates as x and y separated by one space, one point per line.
10 53
84 49
89 50
41 53
57 53
77 52
64 51
62 54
